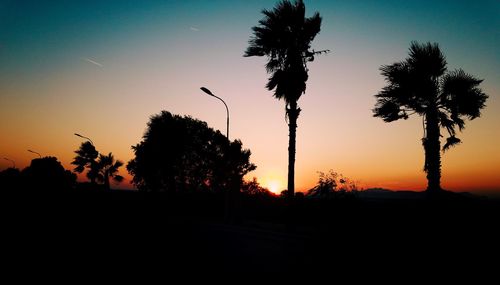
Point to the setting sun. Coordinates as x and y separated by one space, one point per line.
274 186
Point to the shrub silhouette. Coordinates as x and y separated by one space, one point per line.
183 154
331 185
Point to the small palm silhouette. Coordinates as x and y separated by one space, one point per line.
108 169
86 158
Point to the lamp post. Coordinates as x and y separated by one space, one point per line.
32 151
227 109
13 162
84 137
231 195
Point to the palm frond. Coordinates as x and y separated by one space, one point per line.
118 164
447 123
253 50
389 110
461 95
427 59
450 142
273 82
79 168
284 35
273 65
395 72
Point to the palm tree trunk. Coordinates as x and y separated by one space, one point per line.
106 181
93 170
293 114
432 148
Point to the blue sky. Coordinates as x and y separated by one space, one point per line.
34 33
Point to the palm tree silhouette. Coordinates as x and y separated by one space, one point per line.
86 158
284 35
108 168
421 85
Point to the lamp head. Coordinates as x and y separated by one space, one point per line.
207 91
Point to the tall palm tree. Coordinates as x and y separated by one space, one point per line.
86 158
284 35
422 85
108 168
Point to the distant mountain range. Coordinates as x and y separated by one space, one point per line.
385 194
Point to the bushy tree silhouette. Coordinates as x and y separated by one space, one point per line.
183 154
108 168
284 35
10 178
48 174
421 85
87 158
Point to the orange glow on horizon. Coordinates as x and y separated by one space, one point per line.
275 186
273 181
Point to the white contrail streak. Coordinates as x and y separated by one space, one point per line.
93 62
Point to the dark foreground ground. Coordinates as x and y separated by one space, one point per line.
120 233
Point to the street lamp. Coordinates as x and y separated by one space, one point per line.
227 109
231 195
13 163
39 155
84 137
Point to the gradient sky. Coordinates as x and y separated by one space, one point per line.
102 68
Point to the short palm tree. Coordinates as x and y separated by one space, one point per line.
86 157
284 35
422 85
108 168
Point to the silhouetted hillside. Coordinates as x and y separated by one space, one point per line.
386 194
